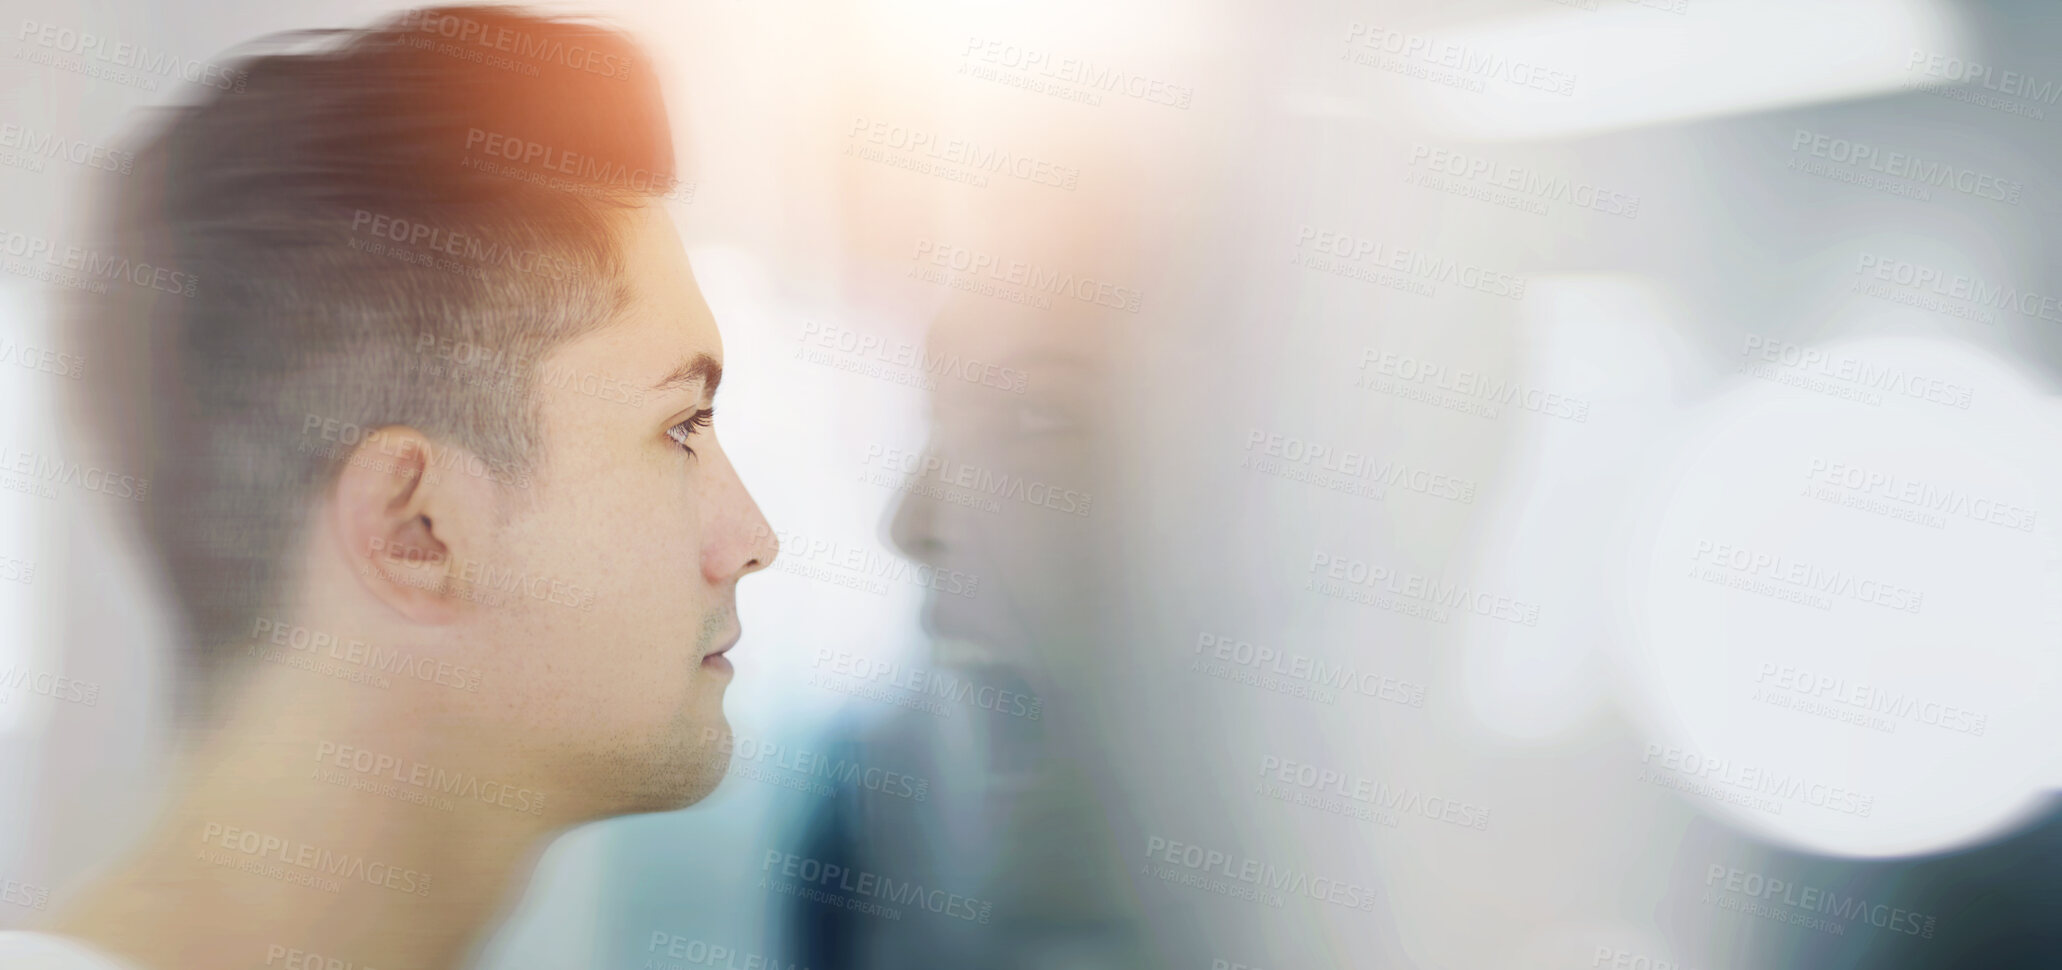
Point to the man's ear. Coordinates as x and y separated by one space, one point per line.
408 530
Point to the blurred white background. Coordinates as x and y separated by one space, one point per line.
1750 318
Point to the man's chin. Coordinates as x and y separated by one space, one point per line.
683 770
707 761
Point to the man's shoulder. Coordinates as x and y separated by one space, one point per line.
23 950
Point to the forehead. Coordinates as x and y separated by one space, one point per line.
665 321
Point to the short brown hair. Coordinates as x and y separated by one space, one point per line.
449 178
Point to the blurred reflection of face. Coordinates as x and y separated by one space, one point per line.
1019 465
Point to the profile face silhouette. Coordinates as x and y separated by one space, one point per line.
637 503
1005 487
1005 490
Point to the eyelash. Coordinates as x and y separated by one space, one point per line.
685 429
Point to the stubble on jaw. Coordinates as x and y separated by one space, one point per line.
677 759
692 757
680 767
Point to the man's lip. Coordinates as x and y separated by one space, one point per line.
725 648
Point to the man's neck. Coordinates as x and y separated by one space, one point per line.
368 826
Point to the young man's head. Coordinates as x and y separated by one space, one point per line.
426 414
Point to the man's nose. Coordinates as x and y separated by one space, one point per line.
740 539
913 529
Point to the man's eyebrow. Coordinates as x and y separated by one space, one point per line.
702 368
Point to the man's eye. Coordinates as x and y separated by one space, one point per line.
686 429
